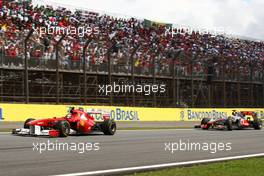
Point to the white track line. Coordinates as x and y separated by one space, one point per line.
187 129
159 166
5 132
182 129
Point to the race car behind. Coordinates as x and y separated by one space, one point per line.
238 120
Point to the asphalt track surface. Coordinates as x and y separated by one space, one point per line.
130 124
125 149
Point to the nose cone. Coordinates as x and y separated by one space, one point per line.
40 122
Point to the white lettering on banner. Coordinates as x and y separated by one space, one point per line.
197 115
120 114
117 114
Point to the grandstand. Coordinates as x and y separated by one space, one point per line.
199 70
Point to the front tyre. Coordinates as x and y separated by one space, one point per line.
205 122
64 128
257 124
108 127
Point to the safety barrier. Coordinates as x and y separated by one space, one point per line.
20 112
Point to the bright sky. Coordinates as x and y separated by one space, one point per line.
239 17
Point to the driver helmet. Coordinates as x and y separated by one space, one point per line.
69 115
234 113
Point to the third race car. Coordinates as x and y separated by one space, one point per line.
238 120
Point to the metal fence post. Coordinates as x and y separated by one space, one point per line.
57 69
224 81
262 79
26 87
238 78
192 81
154 80
263 88
1 74
133 72
178 80
84 70
251 83
173 82
110 73
175 97
2 56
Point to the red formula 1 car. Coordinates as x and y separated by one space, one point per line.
238 120
75 122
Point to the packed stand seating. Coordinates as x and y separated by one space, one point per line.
154 43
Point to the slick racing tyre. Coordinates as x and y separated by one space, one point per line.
238 124
204 122
108 127
28 120
257 124
228 124
64 128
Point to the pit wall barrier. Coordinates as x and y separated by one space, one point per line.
20 112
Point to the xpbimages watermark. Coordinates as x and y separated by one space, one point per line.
186 29
80 31
187 145
146 89
80 147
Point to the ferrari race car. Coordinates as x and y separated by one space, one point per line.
75 122
238 120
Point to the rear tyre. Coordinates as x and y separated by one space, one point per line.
108 127
229 124
28 120
64 128
257 124
238 124
204 122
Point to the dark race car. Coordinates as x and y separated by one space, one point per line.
238 120
75 122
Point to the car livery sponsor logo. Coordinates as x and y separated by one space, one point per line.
97 114
117 114
1 114
198 115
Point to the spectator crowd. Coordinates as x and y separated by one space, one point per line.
151 46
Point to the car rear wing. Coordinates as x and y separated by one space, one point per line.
99 114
